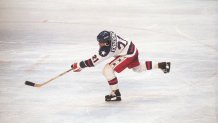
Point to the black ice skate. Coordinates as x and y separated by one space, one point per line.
114 96
164 66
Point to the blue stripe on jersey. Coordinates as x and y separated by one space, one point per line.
131 49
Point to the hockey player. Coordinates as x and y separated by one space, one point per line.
125 56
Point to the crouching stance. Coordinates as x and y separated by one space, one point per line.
125 56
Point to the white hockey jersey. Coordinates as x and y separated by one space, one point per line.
117 47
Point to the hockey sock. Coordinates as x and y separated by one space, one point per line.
113 84
148 65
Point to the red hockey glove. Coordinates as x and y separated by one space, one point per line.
76 67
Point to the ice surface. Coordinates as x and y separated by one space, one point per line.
41 38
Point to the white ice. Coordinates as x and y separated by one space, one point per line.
42 38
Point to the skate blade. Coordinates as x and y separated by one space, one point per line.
113 100
167 70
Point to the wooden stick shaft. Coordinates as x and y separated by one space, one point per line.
44 83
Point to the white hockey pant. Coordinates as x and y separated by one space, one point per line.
109 74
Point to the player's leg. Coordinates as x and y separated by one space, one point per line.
118 65
149 65
109 74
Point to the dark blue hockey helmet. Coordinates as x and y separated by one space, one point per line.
104 37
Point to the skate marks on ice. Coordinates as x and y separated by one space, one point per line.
133 101
41 60
137 106
193 39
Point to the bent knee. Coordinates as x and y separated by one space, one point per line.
108 72
107 69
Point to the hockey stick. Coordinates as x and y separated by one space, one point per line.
44 83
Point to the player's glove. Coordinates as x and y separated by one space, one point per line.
76 67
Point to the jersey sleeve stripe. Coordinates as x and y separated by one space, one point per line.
89 63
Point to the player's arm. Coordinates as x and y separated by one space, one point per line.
104 53
77 67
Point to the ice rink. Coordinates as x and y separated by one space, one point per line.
41 38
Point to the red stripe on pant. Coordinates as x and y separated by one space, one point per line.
148 65
113 81
128 62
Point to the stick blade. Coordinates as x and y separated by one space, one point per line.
29 83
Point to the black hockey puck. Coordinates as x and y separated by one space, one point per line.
29 83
